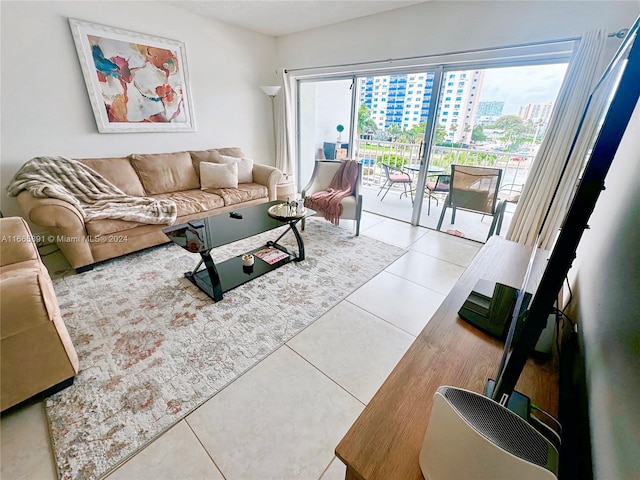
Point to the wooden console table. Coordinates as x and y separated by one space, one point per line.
385 440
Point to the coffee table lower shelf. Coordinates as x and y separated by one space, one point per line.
232 273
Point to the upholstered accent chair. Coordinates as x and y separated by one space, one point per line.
323 173
37 354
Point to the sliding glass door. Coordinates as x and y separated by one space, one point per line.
490 117
409 126
394 114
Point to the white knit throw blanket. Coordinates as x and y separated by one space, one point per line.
97 198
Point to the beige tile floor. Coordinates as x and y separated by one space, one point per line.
283 418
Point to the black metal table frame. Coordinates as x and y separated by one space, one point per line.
209 280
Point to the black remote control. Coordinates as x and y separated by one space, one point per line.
235 215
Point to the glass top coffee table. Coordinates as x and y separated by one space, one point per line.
201 236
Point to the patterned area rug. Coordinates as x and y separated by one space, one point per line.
153 347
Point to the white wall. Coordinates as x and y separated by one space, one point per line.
606 303
323 106
439 27
46 109
333 108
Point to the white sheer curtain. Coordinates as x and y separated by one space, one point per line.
546 171
285 129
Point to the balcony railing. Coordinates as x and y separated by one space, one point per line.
373 153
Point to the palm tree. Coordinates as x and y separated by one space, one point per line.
394 131
416 133
440 135
365 123
453 128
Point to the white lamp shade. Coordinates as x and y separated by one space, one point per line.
271 90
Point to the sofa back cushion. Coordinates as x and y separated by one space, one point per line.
213 155
229 151
15 246
165 172
117 171
197 157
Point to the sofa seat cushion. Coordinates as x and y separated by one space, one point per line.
96 228
194 201
118 171
21 303
188 203
255 190
231 196
244 193
165 172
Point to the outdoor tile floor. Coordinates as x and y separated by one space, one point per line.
284 417
472 226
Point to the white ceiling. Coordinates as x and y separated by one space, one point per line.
281 17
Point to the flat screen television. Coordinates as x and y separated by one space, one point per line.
625 67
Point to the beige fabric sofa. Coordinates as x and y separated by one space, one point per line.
174 176
35 348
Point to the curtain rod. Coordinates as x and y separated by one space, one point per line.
619 34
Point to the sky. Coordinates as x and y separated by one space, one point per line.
518 86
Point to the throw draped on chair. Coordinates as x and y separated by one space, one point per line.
342 185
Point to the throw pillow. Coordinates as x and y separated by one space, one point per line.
245 167
218 175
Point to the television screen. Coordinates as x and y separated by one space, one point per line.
621 82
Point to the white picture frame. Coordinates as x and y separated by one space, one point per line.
136 82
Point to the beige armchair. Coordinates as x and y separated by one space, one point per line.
36 352
323 173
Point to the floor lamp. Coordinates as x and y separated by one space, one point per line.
271 92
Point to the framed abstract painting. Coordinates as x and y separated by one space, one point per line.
136 82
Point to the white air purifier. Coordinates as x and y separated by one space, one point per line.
472 437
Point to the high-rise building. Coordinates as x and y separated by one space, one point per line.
488 112
405 100
536 112
400 99
490 109
459 105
